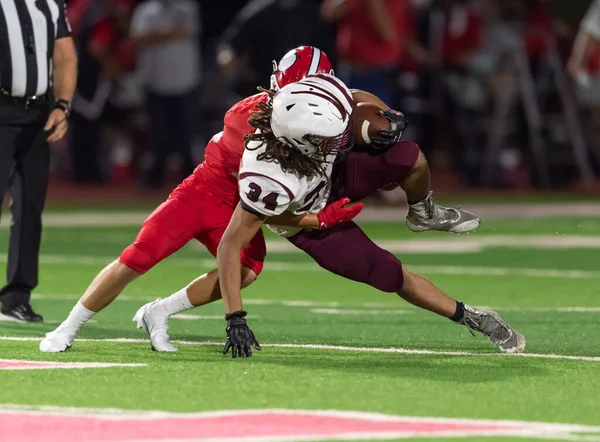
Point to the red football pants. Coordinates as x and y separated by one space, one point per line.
191 211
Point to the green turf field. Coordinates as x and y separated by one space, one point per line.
330 344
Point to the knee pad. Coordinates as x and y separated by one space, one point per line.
385 273
403 154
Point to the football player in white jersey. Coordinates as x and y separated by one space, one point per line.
288 167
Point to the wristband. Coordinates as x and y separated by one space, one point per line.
64 106
238 314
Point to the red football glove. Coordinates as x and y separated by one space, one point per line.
336 213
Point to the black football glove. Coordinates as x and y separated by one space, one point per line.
240 338
387 138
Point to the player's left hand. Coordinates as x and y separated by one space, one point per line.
338 212
56 125
240 339
387 138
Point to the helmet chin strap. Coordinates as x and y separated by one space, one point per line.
274 85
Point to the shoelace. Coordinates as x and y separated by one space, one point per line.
497 334
471 325
445 213
430 210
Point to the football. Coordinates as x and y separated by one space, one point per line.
368 122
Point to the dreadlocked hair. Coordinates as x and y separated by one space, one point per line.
288 157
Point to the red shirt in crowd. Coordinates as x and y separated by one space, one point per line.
539 22
359 43
106 35
463 33
76 9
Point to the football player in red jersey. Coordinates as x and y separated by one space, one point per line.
199 208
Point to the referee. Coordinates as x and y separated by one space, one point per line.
38 71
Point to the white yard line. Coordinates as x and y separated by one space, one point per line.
339 311
310 266
52 365
187 317
4 318
461 244
332 307
341 348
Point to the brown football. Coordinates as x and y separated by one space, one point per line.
368 122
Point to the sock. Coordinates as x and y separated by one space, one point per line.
459 314
412 203
177 302
78 316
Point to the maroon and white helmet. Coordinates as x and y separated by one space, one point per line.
314 115
297 64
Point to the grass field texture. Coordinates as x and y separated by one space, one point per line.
329 344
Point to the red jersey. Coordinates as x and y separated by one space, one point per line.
359 43
224 151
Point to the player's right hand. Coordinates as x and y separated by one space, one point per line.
338 212
240 338
387 138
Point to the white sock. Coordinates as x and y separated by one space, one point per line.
78 316
177 302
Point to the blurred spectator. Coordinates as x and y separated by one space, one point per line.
457 91
264 30
587 42
165 33
540 24
84 13
462 34
584 67
105 52
372 40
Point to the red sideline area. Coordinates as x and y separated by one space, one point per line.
116 194
444 184
256 425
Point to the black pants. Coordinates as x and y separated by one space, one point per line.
173 123
24 167
85 149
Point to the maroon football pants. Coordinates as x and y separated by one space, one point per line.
345 249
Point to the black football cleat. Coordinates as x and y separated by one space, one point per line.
22 313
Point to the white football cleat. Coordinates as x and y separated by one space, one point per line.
154 319
58 340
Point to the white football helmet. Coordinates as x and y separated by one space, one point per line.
314 115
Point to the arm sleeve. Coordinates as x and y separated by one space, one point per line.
263 195
63 26
591 21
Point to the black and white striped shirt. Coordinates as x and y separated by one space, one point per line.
28 31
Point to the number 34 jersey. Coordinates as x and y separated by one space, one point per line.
270 191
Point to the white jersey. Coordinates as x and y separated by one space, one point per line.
270 191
